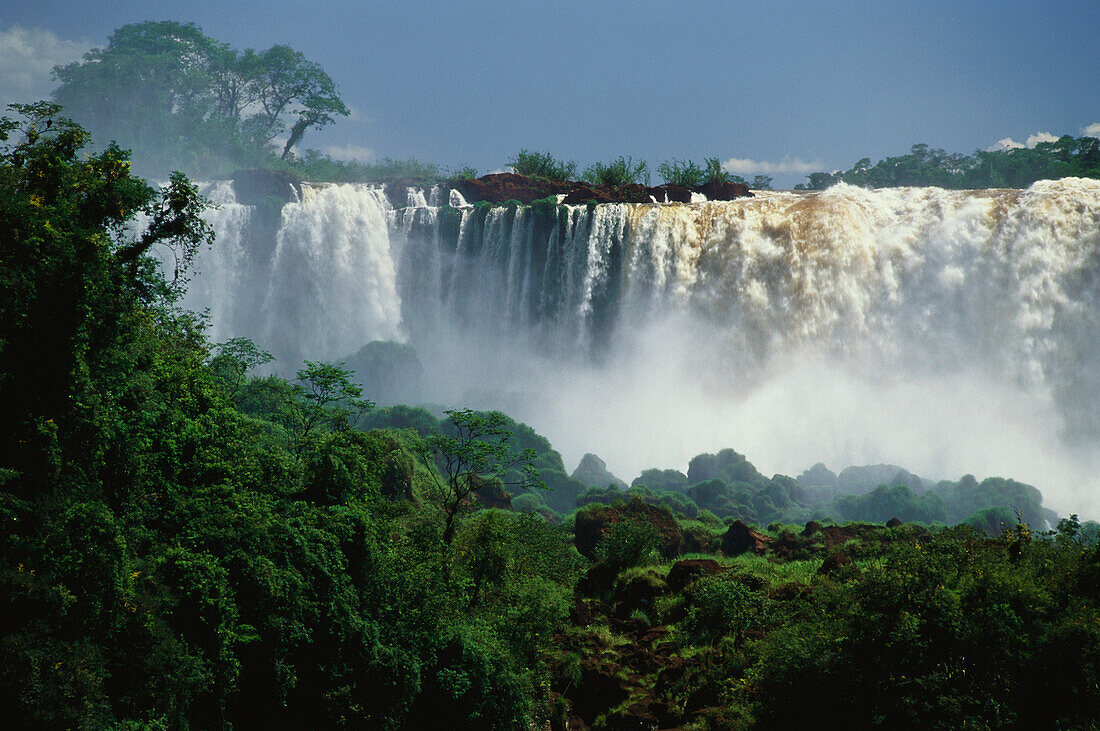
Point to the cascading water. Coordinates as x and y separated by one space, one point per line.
848 324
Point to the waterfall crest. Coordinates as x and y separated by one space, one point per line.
891 286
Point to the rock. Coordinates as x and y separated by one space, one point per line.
493 495
584 193
724 191
596 581
671 194
591 523
501 187
252 186
818 476
683 573
600 688
790 546
699 540
740 538
638 592
635 717
389 372
789 591
811 528
579 613
593 472
837 534
834 562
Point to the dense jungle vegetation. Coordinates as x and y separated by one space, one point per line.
187 544
1011 168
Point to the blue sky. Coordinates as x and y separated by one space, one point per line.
779 88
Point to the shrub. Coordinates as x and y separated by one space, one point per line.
621 171
528 502
542 165
465 172
681 172
713 172
722 606
627 543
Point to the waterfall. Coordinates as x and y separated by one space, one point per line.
991 295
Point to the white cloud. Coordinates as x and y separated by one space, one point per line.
745 166
1004 144
349 153
1040 137
1093 130
1010 144
27 56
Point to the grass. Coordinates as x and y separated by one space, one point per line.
776 572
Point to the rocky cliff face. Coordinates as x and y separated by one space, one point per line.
501 187
593 472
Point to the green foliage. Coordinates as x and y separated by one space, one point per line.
326 397
541 165
627 543
727 465
204 106
884 503
618 172
761 182
713 172
235 359
463 173
188 545
1012 168
315 165
681 172
688 174
658 479
722 606
546 207
961 499
476 448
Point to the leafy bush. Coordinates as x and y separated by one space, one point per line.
713 172
681 172
621 171
465 172
690 175
722 606
542 165
627 543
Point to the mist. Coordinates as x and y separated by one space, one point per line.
945 332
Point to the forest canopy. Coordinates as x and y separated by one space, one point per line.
1010 168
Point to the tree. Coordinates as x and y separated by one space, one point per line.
761 182
290 85
326 397
234 359
177 96
71 272
478 451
